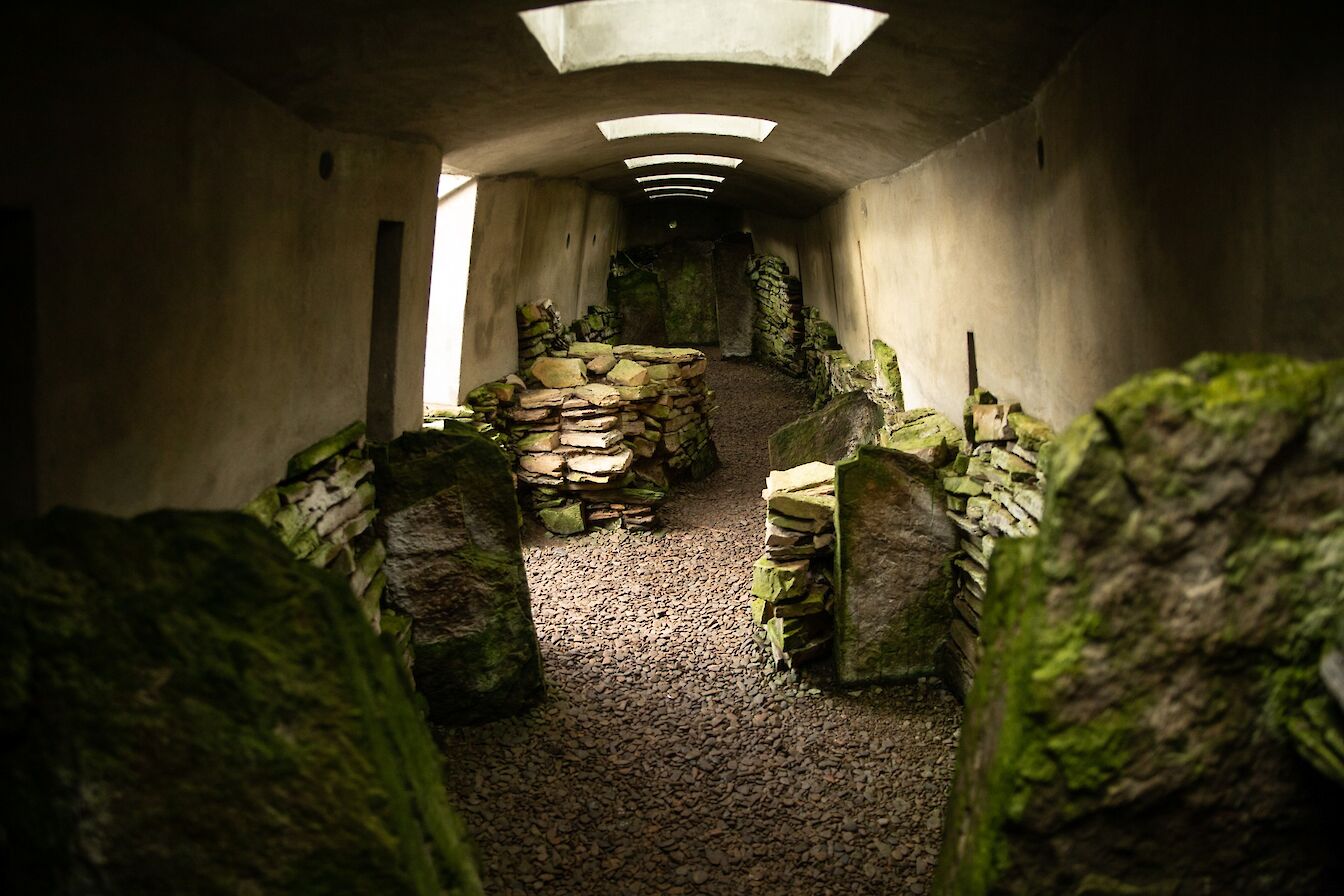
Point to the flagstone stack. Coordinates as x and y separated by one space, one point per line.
995 490
323 511
791 583
778 324
818 339
605 433
602 323
540 332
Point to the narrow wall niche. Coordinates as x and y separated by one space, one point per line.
972 373
383 332
18 363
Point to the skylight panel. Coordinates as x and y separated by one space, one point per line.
682 158
687 123
682 187
678 195
715 178
810 35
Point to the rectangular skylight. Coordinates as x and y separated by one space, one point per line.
687 123
678 196
682 158
715 178
683 187
811 35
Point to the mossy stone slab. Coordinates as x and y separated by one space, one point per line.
893 557
450 520
1152 656
829 434
187 708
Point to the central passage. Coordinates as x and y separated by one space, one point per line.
670 757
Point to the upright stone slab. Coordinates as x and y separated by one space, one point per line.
893 551
450 520
827 435
188 708
638 296
687 273
1151 700
734 305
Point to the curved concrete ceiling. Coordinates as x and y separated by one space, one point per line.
469 76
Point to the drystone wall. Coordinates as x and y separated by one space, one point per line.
791 583
778 324
1153 712
541 331
998 493
323 511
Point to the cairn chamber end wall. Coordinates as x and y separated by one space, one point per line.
204 293
534 239
1170 190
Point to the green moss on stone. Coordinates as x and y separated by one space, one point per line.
188 708
324 450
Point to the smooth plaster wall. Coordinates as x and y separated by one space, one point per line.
204 297
533 240
1190 200
773 235
454 221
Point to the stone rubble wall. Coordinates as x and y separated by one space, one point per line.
996 490
541 332
323 512
777 337
792 582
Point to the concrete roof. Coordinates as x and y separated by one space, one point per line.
467 75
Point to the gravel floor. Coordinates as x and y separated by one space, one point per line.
669 758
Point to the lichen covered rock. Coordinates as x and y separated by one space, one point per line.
187 708
451 523
893 556
1149 654
827 435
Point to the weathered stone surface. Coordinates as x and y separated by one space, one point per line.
450 521
1152 657
602 464
803 506
894 546
598 394
324 450
734 305
828 435
187 708
628 373
887 372
557 373
926 434
639 298
566 520
798 478
686 270
778 582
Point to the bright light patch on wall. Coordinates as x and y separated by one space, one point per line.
682 158
712 178
811 35
678 196
682 187
689 123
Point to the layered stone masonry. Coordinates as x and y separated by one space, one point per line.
777 337
792 582
323 511
541 331
996 490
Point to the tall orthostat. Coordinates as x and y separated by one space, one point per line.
893 553
1151 713
450 520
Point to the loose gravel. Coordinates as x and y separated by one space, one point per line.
669 757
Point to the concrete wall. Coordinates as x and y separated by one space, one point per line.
534 239
204 297
1190 198
454 222
773 235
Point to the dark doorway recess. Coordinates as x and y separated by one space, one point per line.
383 334
18 355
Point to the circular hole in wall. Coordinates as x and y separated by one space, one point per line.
1040 153
325 163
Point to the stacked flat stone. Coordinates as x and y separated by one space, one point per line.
792 582
540 332
997 491
323 511
602 323
818 338
608 429
778 322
